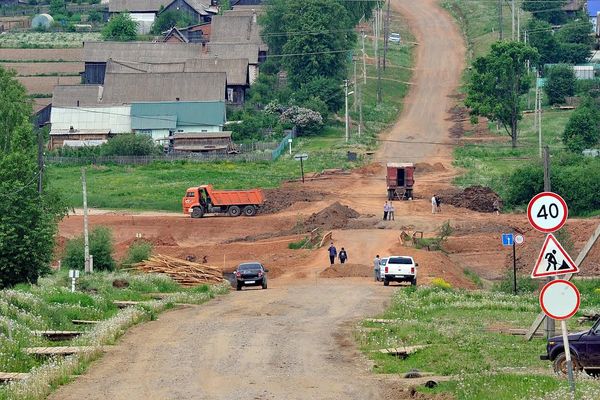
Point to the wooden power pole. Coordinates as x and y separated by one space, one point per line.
386 34
500 20
86 239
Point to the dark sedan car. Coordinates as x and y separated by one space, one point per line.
585 351
251 274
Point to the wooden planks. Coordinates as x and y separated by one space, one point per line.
126 303
186 273
58 351
83 322
58 335
6 377
401 351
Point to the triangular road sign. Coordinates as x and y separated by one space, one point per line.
553 260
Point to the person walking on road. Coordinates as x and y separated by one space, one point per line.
332 254
343 256
386 210
438 203
433 204
376 267
391 212
496 206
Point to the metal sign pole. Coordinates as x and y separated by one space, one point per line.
302 168
565 335
514 249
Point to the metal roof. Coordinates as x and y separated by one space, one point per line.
135 51
248 51
593 7
235 28
126 88
203 135
153 121
137 5
188 113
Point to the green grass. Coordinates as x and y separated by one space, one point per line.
47 40
298 244
454 325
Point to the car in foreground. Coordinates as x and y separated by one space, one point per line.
250 274
585 352
382 263
394 38
400 269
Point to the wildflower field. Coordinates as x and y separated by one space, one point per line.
458 329
50 306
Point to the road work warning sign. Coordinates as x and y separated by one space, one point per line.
553 260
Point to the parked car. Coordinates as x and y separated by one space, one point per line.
394 37
400 269
585 352
382 264
251 274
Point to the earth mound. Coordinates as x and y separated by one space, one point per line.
279 199
336 216
347 271
476 198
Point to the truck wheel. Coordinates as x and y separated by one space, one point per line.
560 364
239 286
234 211
249 211
264 284
414 282
197 212
386 282
594 373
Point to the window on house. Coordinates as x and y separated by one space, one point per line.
230 95
147 132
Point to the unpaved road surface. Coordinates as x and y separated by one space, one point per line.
439 61
286 342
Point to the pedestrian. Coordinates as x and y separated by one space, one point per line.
332 254
376 267
343 256
496 206
438 203
386 210
391 212
433 204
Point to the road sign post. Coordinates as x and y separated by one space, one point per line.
301 157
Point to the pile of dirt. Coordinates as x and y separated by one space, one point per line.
347 271
476 198
423 168
336 216
279 199
164 240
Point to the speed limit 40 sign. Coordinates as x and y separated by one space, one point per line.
547 212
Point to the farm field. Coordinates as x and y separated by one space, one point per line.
40 55
46 40
45 84
44 68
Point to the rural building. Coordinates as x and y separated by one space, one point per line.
215 142
144 12
192 34
238 29
248 51
96 55
162 120
8 23
236 72
245 3
573 7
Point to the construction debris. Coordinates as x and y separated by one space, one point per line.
12 376
476 198
401 351
59 350
186 273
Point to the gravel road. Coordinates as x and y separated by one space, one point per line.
287 342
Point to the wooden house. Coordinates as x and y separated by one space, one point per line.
213 142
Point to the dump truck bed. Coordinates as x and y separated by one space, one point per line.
235 197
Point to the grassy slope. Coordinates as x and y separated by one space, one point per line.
454 324
160 186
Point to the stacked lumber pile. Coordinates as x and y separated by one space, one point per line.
186 273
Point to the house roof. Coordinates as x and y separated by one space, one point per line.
242 3
236 69
188 113
137 5
234 50
76 95
593 7
573 5
201 7
244 11
203 135
153 121
102 51
234 28
174 32
126 88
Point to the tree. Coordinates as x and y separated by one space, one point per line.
94 16
546 10
101 247
120 28
130 145
273 25
320 43
539 35
28 220
583 128
497 82
560 84
58 7
168 19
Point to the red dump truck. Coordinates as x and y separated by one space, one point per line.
202 200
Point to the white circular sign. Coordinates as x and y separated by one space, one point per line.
547 212
519 239
559 299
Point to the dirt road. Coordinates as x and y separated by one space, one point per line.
287 342
439 61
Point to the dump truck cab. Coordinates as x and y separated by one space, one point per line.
400 179
201 200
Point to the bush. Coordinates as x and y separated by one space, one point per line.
130 145
139 251
583 128
525 284
308 121
120 28
94 16
101 247
441 284
560 84
168 19
255 125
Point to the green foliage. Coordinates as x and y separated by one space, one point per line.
101 247
256 125
358 9
476 279
497 82
57 7
299 244
571 44
549 10
139 251
95 16
538 37
560 84
525 284
440 283
168 19
326 90
120 28
523 184
583 129
130 145
28 220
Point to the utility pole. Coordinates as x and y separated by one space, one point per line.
354 105
539 117
512 6
550 326
360 114
86 240
40 160
378 55
500 20
386 34
364 60
518 22
347 122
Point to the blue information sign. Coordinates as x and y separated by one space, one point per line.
507 239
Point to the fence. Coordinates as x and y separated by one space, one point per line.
142 160
282 145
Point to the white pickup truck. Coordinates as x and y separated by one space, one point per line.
400 269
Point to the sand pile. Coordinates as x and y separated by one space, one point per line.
347 271
336 216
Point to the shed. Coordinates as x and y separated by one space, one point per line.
43 21
61 137
584 71
217 142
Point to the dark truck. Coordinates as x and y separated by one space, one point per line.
585 352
